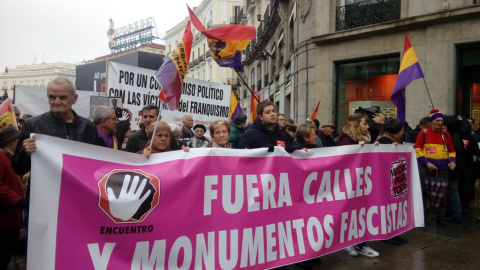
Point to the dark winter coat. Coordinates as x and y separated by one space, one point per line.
327 141
137 141
260 136
80 130
10 194
411 136
303 144
236 135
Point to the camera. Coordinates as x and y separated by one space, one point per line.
369 112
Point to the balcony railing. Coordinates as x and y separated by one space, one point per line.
250 5
201 58
209 24
193 63
242 15
367 12
260 31
266 15
288 72
208 54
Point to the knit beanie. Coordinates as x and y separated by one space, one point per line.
435 113
7 134
200 126
393 126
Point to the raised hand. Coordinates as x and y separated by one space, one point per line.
128 202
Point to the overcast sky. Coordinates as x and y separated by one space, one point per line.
36 31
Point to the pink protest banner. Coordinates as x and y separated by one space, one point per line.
97 208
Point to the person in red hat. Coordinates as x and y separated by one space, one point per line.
435 156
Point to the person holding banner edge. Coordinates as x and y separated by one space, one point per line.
220 132
265 131
356 132
61 121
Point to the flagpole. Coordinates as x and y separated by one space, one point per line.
244 83
428 92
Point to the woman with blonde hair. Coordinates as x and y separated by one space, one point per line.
219 132
356 132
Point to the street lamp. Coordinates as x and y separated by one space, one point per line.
263 54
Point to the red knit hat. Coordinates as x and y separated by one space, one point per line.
435 113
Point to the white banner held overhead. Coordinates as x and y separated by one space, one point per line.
205 101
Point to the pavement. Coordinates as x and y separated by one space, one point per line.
432 247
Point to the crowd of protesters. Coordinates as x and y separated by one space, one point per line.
446 148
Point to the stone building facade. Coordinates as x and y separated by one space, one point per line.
34 75
347 54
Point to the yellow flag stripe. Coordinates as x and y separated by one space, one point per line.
179 58
409 58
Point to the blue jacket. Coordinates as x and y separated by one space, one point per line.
260 136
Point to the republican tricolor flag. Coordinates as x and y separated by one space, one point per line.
253 107
409 70
235 108
7 115
226 42
171 74
315 112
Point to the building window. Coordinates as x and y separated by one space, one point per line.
291 42
365 84
253 80
259 76
281 54
468 82
274 62
357 13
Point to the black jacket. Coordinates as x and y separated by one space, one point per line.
327 141
411 136
260 136
80 130
137 141
297 145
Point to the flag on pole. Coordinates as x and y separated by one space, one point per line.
162 96
7 115
253 107
409 70
227 42
235 108
171 74
314 114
